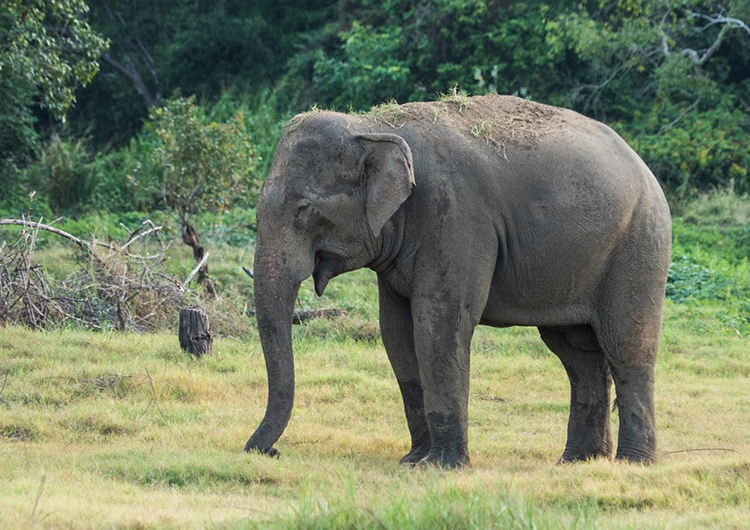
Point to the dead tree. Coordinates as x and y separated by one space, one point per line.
132 57
195 333
190 238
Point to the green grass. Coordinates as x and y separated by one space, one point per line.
125 430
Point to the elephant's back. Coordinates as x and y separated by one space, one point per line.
501 121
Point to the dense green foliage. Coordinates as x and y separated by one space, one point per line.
672 77
47 44
204 166
47 50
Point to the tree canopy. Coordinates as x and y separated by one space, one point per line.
47 51
672 76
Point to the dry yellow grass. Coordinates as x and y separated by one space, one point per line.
124 430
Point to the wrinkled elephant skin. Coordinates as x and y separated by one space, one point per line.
490 210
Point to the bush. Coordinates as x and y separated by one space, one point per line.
205 165
703 151
63 175
125 180
711 256
264 116
72 181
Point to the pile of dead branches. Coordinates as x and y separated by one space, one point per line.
112 287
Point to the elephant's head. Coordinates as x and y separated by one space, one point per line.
321 212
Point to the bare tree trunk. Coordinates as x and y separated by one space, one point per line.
190 238
134 57
195 333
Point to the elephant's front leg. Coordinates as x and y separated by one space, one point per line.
397 330
442 333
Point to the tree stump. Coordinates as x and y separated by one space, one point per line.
195 334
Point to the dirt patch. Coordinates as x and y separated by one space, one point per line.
501 121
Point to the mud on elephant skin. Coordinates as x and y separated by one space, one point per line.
566 227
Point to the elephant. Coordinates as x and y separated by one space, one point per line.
490 210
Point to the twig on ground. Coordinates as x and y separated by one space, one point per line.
38 496
702 449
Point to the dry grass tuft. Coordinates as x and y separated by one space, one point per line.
300 118
389 113
457 97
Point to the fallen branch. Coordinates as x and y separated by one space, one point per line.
86 245
303 316
133 237
31 224
115 287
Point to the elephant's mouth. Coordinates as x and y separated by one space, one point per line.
326 267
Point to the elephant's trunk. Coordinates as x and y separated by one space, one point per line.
275 295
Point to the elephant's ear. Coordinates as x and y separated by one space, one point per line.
388 170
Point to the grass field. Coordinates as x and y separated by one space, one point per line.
125 431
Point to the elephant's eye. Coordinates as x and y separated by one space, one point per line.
301 217
303 208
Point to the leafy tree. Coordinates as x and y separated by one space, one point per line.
47 50
49 44
414 50
206 166
673 77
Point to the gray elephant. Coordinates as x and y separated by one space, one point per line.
489 210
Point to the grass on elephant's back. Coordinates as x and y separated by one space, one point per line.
125 430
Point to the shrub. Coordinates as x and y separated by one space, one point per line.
703 151
63 175
205 165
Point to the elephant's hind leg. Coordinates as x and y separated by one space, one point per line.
590 381
628 331
630 344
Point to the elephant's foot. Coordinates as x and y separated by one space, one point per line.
445 460
271 451
416 454
636 441
570 456
584 453
635 456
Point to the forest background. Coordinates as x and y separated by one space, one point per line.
82 83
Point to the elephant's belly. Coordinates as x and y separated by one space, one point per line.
562 316
538 307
